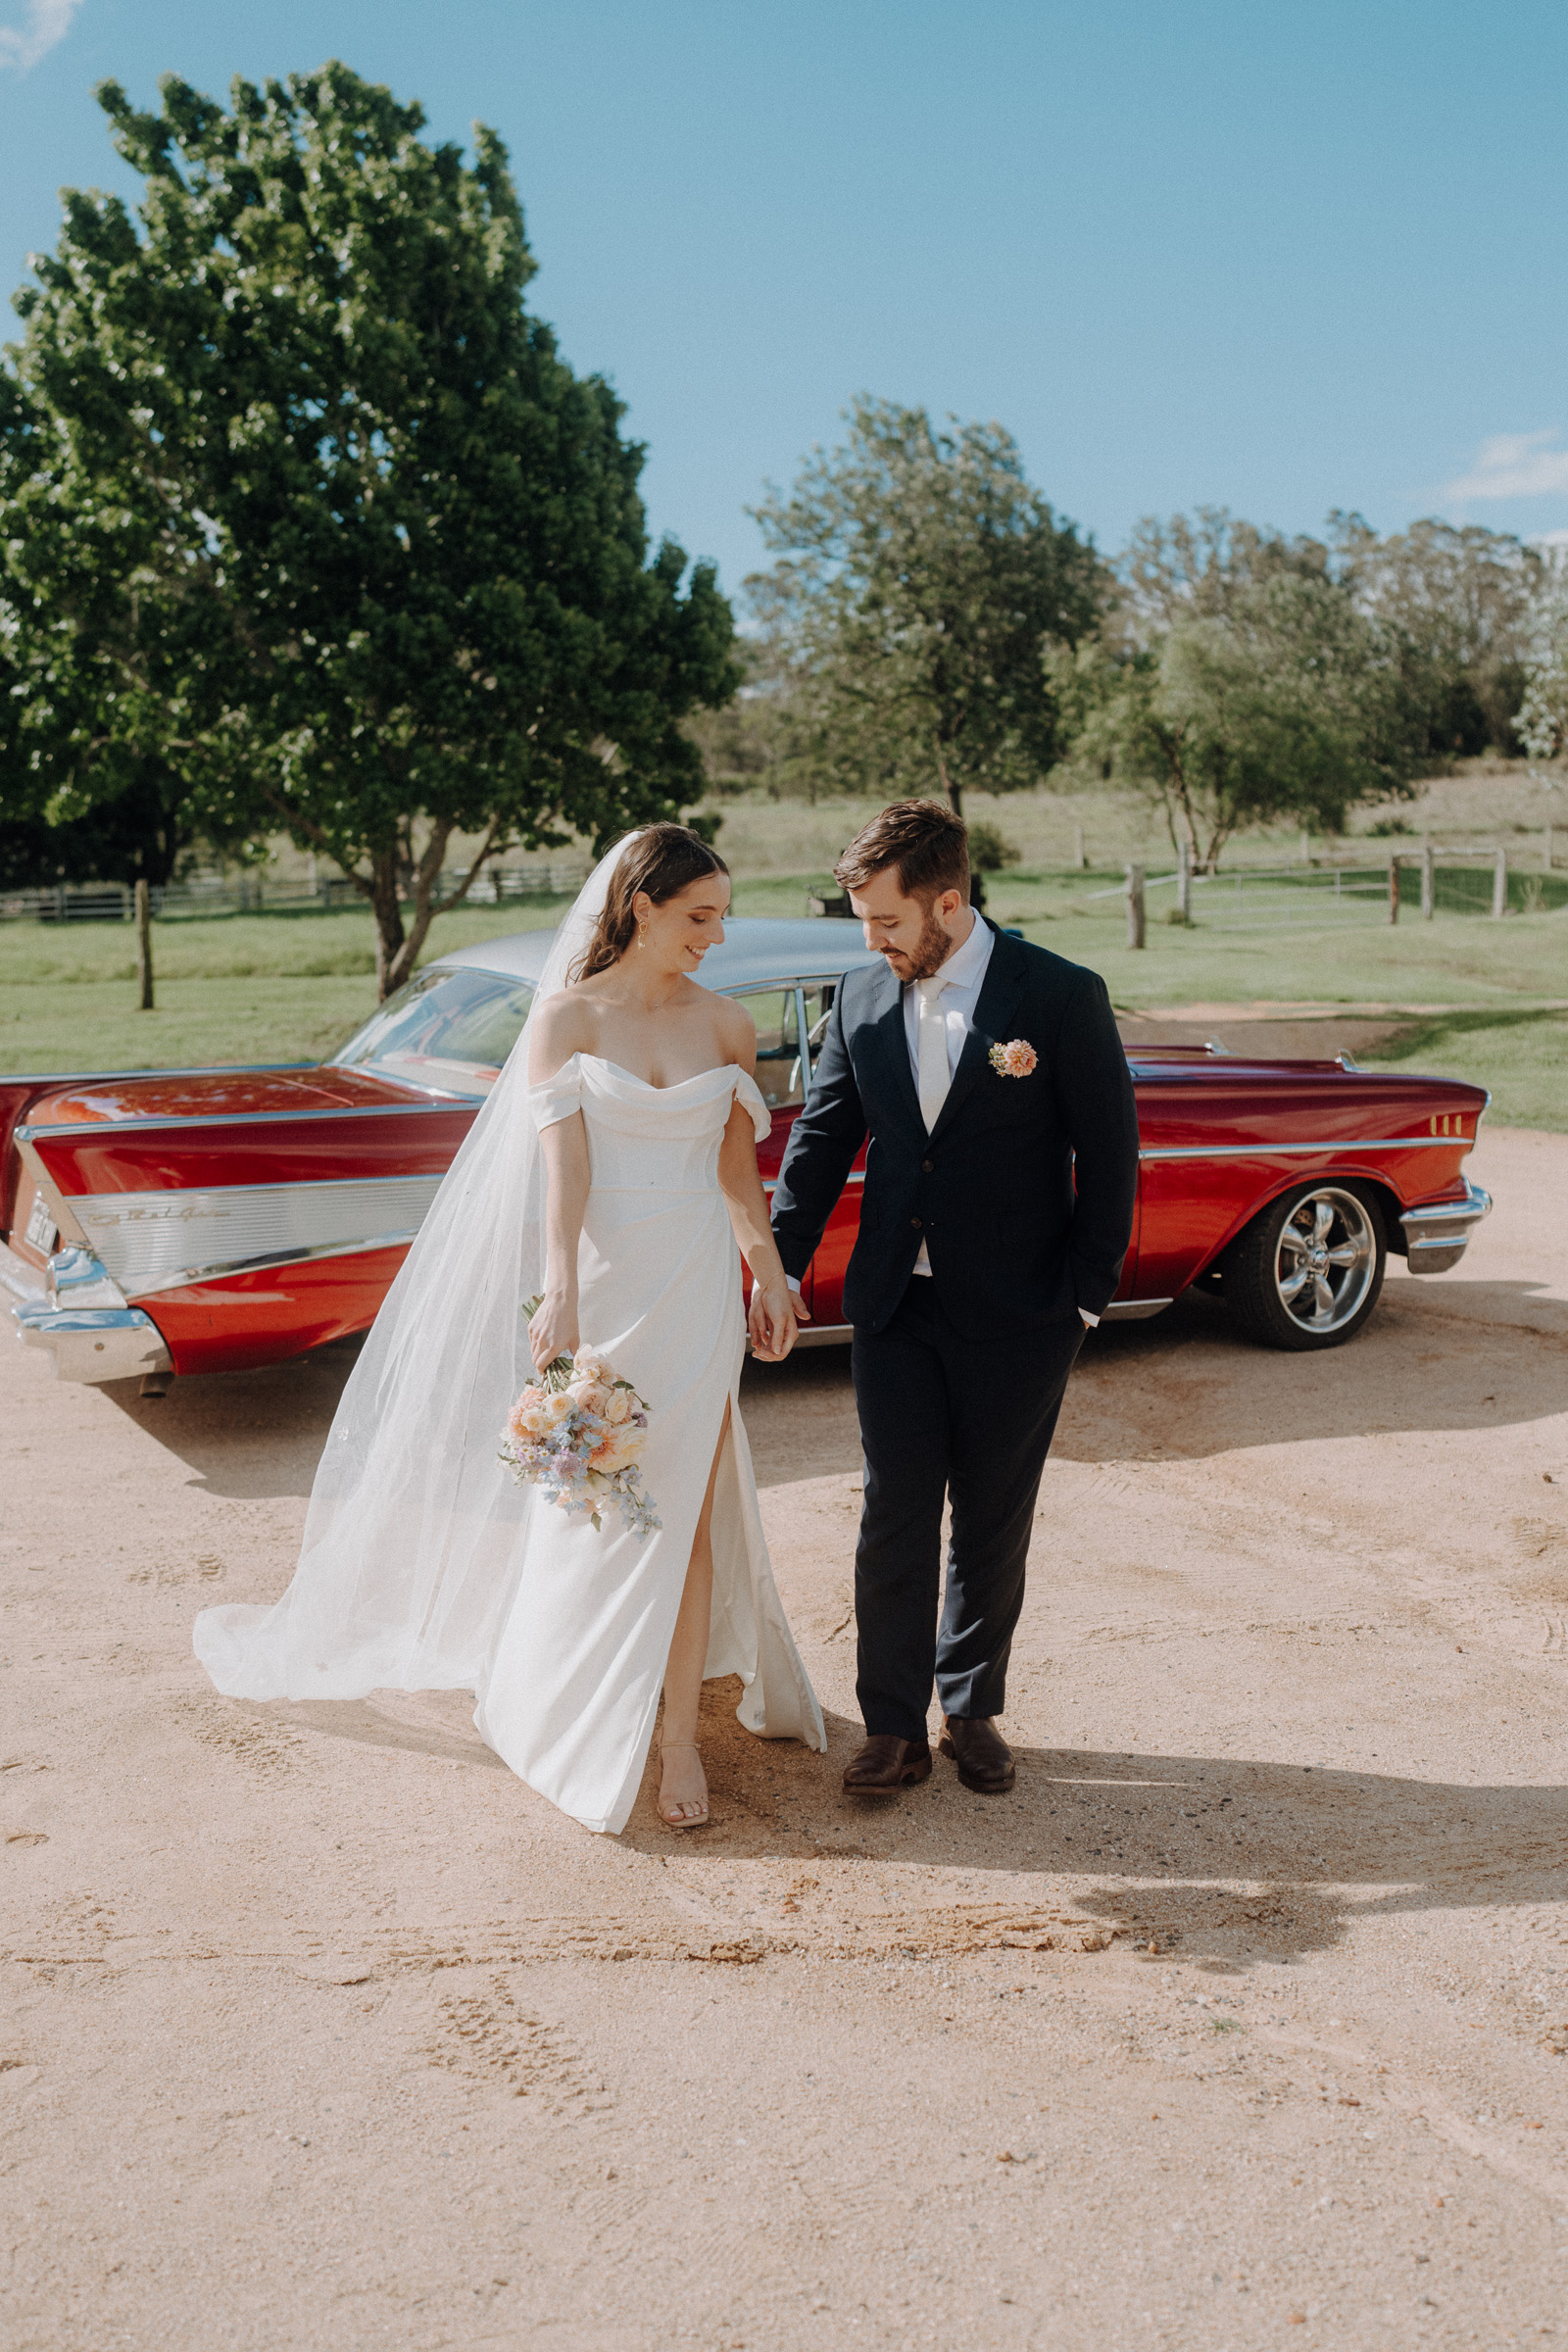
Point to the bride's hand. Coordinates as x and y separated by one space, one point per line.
772 1320
553 1331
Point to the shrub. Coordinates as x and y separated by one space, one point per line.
990 850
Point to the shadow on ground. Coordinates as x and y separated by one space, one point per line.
1218 1859
1184 1385
1181 1386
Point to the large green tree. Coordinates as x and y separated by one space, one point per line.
1460 602
306 510
1205 565
1281 699
919 577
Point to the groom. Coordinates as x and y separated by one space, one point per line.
999 1200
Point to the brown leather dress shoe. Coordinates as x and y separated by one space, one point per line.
885 1765
983 1757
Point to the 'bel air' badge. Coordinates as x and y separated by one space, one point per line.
151 1217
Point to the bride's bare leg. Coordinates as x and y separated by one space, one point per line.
683 1786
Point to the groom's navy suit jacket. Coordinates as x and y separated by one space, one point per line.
1024 1190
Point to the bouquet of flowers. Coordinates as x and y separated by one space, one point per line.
577 1431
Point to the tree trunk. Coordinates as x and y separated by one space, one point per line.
952 790
397 948
1177 789
388 913
144 945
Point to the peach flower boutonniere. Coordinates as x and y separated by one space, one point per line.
1016 1060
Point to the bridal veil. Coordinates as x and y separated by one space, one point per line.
410 1553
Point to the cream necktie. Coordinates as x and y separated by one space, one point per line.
935 1077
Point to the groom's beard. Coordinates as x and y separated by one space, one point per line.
928 954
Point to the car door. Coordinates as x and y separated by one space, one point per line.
782 1072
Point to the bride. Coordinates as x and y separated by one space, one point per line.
608 1170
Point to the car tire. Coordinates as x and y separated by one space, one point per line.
1307 1272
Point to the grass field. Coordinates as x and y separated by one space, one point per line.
1486 998
1522 1058
286 987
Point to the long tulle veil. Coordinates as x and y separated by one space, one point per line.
416 1533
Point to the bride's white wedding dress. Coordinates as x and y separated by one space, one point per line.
425 1567
574 1685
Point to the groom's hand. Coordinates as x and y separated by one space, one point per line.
771 1319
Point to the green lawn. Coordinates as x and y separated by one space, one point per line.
1286 956
1521 1056
285 986
291 986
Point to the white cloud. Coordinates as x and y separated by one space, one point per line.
1514 465
48 23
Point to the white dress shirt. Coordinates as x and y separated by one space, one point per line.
964 972
963 975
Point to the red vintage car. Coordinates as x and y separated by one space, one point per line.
181 1221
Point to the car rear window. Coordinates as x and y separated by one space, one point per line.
446 1030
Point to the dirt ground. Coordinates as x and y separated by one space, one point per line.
1230 2029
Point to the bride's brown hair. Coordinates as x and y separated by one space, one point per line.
662 860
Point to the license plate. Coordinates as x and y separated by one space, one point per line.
42 1231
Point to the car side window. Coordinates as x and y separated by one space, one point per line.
819 1004
780 1072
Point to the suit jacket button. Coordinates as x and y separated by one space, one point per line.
915 1222
928 1168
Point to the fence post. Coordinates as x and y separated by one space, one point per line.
1184 882
1078 858
144 945
1499 886
1135 906
1429 883
1394 887
1306 849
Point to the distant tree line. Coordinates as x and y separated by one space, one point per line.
931 625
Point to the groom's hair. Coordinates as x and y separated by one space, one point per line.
922 838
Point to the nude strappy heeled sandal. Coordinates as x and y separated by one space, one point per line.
694 1820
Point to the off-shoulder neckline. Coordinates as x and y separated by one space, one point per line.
620 1069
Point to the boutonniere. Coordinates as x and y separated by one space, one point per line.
1016 1060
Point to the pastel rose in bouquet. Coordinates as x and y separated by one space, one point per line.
577 1431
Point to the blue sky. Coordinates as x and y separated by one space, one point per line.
1188 251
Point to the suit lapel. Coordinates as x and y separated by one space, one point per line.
884 1023
999 994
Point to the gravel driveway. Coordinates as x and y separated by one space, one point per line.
1243 2022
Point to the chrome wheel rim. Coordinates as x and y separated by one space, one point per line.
1325 1262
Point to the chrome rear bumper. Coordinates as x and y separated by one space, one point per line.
1436 1239
104 1340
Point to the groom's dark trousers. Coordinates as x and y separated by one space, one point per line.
1024 1193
